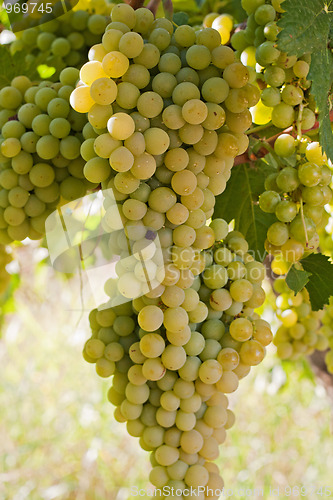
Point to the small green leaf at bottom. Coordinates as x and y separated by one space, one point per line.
320 284
297 279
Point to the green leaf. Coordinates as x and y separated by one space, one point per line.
239 202
320 284
296 279
14 65
180 18
321 74
306 25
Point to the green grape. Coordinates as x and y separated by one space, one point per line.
41 175
301 69
285 145
283 115
292 95
10 147
10 98
264 14
313 196
271 97
274 76
215 89
103 91
286 211
18 197
268 201
310 174
308 119
302 231
278 233
97 170
40 124
58 108
72 189
288 180
266 53
12 129
250 6
47 147
70 147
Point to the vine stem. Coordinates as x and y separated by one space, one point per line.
258 128
304 225
153 6
136 4
244 158
299 121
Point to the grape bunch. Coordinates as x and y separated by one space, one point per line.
282 77
301 331
165 134
163 138
63 42
297 196
175 356
40 161
5 258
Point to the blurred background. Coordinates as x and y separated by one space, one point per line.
59 439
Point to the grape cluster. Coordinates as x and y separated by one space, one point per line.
5 258
63 42
40 160
175 356
297 196
283 77
166 135
301 331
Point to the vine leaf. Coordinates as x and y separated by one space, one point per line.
180 18
14 65
307 27
238 202
321 74
297 279
320 284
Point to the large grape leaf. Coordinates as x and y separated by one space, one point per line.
14 65
320 284
239 202
321 74
297 279
307 27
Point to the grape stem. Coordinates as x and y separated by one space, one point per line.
135 4
299 121
244 158
258 128
153 6
304 225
